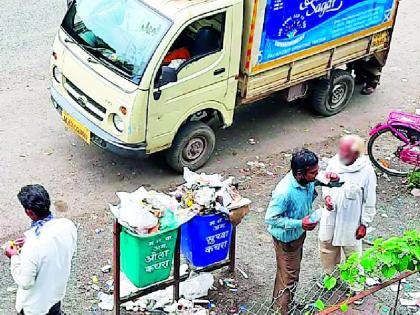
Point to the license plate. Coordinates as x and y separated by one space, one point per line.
76 127
380 39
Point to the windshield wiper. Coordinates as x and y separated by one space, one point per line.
100 49
105 60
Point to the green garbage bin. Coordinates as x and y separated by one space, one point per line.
147 259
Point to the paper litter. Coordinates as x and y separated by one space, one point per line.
107 301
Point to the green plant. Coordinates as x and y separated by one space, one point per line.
329 282
414 179
384 260
319 305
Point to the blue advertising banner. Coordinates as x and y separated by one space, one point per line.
291 26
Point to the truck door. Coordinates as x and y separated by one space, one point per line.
200 54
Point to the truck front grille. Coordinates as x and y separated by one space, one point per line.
87 103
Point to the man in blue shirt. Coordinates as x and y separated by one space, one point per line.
288 220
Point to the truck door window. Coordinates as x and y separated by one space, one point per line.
198 40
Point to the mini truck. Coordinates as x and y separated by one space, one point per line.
140 76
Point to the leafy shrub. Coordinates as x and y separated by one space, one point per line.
414 180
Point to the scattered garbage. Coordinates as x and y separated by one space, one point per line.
106 301
252 141
243 273
95 279
106 268
415 192
191 290
109 285
197 287
414 295
98 231
371 281
409 302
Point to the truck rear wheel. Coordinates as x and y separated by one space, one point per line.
331 96
192 147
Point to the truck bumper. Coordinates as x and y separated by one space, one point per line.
98 136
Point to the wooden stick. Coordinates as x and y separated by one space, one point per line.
365 293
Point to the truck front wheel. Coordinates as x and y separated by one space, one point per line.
331 96
192 147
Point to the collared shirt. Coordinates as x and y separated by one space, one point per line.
42 269
290 203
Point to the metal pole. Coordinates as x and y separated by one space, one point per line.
177 265
396 299
116 269
232 251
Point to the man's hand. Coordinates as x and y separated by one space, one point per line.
307 225
361 232
11 250
329 203
333 177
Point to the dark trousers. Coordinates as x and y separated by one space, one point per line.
368 72
55 310
289 257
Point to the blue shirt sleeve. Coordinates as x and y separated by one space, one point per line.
276 215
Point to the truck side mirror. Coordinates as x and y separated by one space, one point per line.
168 75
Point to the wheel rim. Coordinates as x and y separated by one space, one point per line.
194 149
338 95
386 150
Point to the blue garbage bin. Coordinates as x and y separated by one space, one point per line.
206 239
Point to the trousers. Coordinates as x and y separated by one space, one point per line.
288 257
332 255
54 310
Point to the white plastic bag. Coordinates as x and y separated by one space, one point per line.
197 287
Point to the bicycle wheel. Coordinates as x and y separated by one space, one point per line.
384 150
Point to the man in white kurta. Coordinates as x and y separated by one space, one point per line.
41 268
348 209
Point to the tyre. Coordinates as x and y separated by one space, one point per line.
331 96
384 149
192 147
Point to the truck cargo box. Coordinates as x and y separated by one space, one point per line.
292 40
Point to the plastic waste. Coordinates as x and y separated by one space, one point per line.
107 301
168 221
197 287
134 214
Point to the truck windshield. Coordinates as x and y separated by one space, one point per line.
123 34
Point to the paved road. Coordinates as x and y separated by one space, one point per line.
35 147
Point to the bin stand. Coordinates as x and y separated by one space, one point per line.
174 281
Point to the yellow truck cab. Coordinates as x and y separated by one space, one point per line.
141 76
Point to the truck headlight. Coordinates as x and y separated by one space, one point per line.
56 74
118 122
